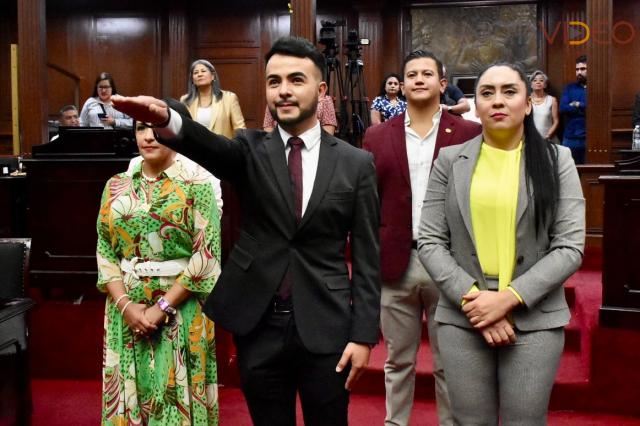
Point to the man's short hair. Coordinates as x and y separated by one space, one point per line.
416 54
300 48
582 59
67 108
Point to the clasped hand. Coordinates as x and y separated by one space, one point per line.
142 319
487 312
483 308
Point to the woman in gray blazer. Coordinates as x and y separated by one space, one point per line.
502 228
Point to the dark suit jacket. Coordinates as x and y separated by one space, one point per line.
330 308
387 142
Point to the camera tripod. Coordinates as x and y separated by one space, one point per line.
352 111
357 99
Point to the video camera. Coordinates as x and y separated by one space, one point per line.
328 34
354 44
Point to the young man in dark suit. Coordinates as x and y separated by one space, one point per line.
302 324
404 148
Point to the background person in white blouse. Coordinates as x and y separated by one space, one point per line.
545 107
98 111
216 109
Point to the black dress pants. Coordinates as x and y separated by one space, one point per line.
275 366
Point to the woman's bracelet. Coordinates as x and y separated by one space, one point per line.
124 308
120 298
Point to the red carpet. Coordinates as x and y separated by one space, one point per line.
598 382
77 403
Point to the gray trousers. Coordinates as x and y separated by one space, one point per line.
511 382
403 304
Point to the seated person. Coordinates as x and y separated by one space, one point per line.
452 99
68 118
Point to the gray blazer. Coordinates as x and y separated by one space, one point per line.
543 262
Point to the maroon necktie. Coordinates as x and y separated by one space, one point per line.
295 174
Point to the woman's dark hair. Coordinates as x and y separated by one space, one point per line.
300 48
192 90
384 83
104 76
541 160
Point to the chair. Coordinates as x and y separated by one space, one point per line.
14 264
14 267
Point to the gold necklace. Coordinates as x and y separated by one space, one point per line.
538 101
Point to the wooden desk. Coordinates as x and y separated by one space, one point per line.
621 249
13 199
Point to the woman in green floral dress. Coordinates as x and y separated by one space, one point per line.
158 258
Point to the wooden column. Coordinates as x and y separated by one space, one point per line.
303 19
370 26
32 73
599 19
177 59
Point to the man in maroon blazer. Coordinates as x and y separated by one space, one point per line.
404 149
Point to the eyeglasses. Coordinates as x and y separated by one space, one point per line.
104 87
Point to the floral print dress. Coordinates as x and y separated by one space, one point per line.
386 108
167 378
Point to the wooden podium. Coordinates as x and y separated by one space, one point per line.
65 179
621 246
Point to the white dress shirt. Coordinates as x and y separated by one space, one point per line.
420 155
310 153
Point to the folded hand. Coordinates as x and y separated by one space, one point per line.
486 307
500 333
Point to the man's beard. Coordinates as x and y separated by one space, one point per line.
581 79
304 114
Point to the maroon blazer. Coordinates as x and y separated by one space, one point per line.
387 143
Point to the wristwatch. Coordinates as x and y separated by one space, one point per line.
166 307
449 108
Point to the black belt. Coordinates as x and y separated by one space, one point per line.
414 244
281 306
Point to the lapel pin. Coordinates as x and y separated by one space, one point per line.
448 130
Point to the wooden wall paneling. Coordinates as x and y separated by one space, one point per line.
593 191
625 80
599 15
303 19
391 41
370 26
275 23
233 44
240 75
175 57
128 46
226 29
8 36
32 73
61 88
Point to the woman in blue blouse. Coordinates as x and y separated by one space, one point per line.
389 102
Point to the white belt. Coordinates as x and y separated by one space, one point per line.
168 268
